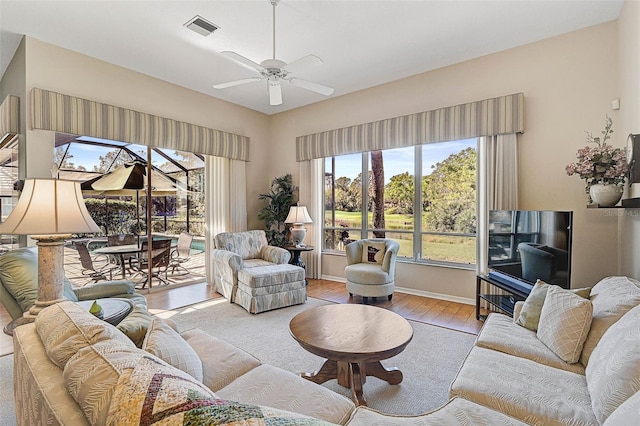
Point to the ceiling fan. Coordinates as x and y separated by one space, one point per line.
274 70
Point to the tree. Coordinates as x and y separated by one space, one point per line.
451 193
377 171
399 193
279 199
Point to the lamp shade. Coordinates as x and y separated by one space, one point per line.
49 207
298 214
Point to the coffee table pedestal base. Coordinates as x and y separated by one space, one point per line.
353 375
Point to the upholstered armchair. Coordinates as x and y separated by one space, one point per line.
19 284
541 262
371 267
255 275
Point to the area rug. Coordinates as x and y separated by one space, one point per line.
429 363
7 416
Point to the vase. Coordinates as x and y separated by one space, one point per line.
605 195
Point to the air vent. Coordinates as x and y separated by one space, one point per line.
201 26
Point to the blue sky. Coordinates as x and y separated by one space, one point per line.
400 160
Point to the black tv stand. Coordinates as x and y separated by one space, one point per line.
499 294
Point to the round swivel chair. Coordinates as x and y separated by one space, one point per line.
371 267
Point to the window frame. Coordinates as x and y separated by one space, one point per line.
417 233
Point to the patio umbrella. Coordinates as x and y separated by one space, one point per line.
128 180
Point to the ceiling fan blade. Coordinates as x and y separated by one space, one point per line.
236 83
314 87
242 60
302 63
275 92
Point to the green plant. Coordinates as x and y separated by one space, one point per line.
279 198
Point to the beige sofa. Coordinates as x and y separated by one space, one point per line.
509 377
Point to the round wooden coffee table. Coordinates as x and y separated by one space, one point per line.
353 339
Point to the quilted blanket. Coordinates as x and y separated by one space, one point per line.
153 393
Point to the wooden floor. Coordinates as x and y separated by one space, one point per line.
442 313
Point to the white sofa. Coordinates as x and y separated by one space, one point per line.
509 377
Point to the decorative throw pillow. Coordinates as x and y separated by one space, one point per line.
373 252
136 324
530 314
564 323
165 343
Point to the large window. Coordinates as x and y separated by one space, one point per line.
424 197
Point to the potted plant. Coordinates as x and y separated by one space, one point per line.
279 198
602 166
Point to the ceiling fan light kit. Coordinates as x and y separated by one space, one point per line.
274 71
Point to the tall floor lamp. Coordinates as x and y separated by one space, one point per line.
49 210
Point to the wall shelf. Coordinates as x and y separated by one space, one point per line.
627 203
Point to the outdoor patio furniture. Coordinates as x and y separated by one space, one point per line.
181 253
90 270
160 257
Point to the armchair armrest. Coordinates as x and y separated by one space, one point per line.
227 258
274 254
389 260
105 289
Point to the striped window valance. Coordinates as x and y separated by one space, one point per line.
70 114
10 115
489 117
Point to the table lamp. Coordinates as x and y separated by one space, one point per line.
49 210
298 216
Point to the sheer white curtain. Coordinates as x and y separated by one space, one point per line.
225 200
497 184
311 195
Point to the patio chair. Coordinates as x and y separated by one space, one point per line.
160 257
89 268
181 253
121 240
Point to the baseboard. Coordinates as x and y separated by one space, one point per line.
439 296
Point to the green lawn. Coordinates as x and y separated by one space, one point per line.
434 247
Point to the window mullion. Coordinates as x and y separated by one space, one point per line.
364 233
417 203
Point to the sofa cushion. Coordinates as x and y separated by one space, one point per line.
91 375
274 387
529 316
564 323
627 413
612 297
165 343
157 394
521 388
19 275
613 372
66 327
373 252
501 333
456 412
136 324
222 362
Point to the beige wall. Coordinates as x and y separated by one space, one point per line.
568 83
629 92
61 70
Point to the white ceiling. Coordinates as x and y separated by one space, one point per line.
362 43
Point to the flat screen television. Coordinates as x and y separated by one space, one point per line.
527 245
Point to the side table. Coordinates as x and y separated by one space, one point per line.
295 257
